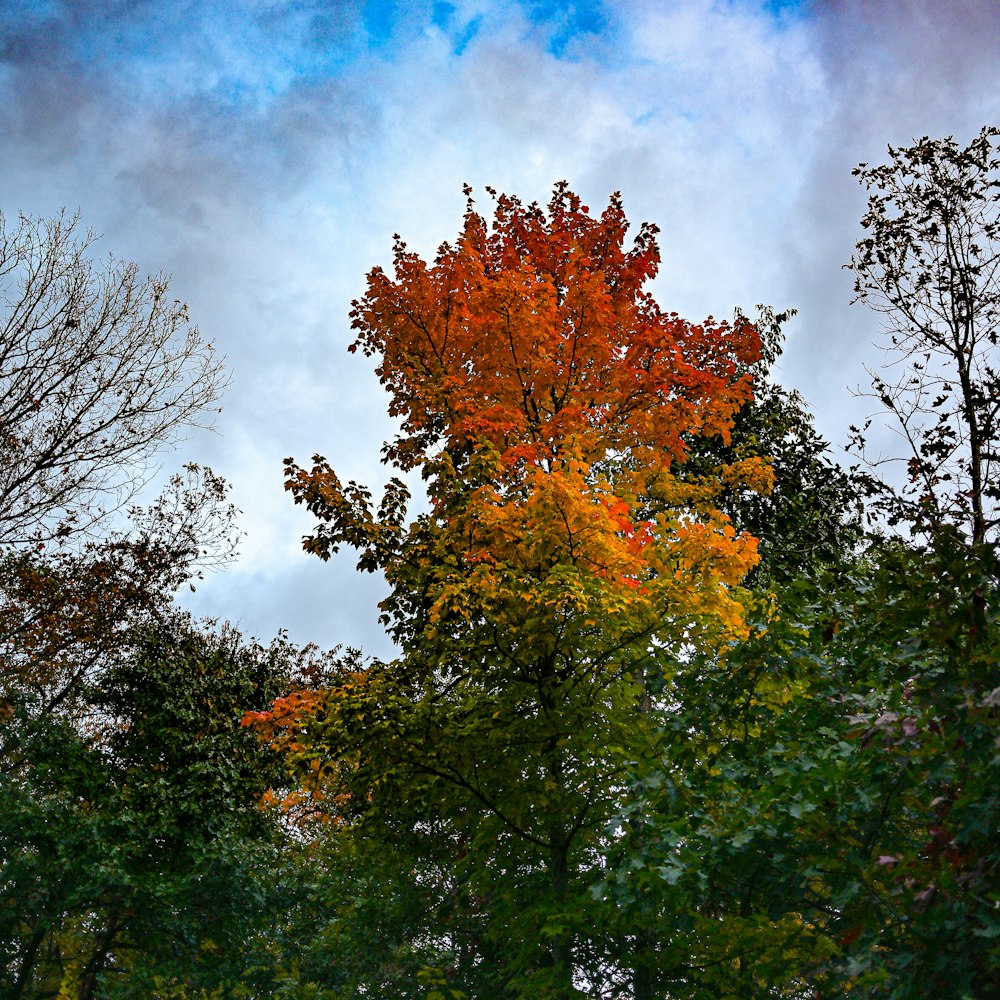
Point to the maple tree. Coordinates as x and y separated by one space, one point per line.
548 402
567 558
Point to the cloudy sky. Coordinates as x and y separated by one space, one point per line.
265 151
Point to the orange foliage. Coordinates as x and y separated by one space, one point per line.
550 404
316 794
538 338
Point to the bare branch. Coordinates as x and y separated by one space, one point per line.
99 369
931 264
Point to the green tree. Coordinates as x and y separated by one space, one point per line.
704 864
133 844
930 263
825 817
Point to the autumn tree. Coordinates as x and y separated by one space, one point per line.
64 610
568 559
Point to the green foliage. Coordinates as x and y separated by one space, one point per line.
823 815
132 840
825 812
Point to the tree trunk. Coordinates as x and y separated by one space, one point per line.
562 943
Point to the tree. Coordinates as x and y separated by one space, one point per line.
132 847
98 370
568 559
103 856
824 819
931 264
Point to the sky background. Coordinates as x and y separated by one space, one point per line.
264 153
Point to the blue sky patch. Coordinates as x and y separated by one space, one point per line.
566 22
380 18
443 17
787 8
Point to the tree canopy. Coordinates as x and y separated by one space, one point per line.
99 369
679 707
